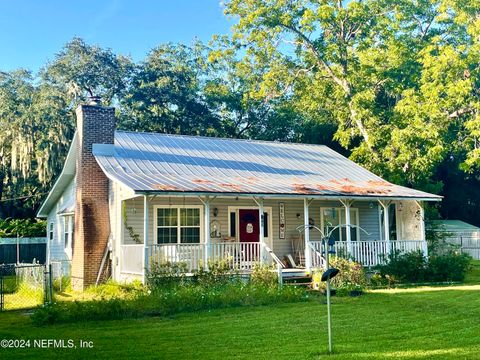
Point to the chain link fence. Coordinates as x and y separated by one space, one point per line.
25 286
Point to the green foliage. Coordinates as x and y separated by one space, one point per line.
131 231
350 278
264 275
10 228
451 266
166 274
165 301
413 267
62 284
81 69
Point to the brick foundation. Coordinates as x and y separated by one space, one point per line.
95 125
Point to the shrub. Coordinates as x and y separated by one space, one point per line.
167 301
263 275
218 273
406 267
166 274
451 266
413 267
351 276
62 284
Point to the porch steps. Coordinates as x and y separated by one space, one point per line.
302 280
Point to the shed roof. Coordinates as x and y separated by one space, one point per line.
453 226
160 163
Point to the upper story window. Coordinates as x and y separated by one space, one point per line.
178 225
50 231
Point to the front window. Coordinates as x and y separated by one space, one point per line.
333 217
178 225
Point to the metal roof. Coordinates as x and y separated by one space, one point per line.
452 226
177 164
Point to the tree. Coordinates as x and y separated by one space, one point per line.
165 93
362 64
35 135
81 70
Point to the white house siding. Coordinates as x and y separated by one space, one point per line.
368 216
57 246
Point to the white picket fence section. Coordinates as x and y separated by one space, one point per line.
370 253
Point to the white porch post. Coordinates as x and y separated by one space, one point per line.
206 219
261 216
306 217
145 238
347 204
386 225
422 229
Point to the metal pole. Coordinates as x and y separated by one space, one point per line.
145 238
18 249
50 282
329 312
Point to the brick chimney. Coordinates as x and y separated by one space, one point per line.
95 125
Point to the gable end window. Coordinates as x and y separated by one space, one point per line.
50 231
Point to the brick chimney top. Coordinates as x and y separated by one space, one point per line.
94 100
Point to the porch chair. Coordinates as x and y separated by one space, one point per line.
298 248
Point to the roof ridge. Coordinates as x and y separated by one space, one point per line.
224 138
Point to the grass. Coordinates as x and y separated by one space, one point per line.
473 276
405 324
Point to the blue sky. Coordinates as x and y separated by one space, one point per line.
31 32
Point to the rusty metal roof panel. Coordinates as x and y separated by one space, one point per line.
151 162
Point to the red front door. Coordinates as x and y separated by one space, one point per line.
249 225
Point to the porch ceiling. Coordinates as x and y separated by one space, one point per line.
167 164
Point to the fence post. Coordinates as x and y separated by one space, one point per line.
50 281
1 292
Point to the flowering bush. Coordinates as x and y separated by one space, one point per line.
350 278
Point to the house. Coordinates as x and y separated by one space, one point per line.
125 199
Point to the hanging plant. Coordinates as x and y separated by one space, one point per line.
131 232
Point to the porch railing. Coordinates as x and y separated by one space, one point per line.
238 255
192 255
370 253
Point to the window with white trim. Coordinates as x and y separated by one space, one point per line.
332 217
50 231
178 225
68 231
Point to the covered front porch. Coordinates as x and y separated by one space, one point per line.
242 231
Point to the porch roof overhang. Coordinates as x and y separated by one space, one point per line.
159 164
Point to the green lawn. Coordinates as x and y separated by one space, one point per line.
411 323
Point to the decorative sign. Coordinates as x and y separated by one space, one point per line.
282 220
249 228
